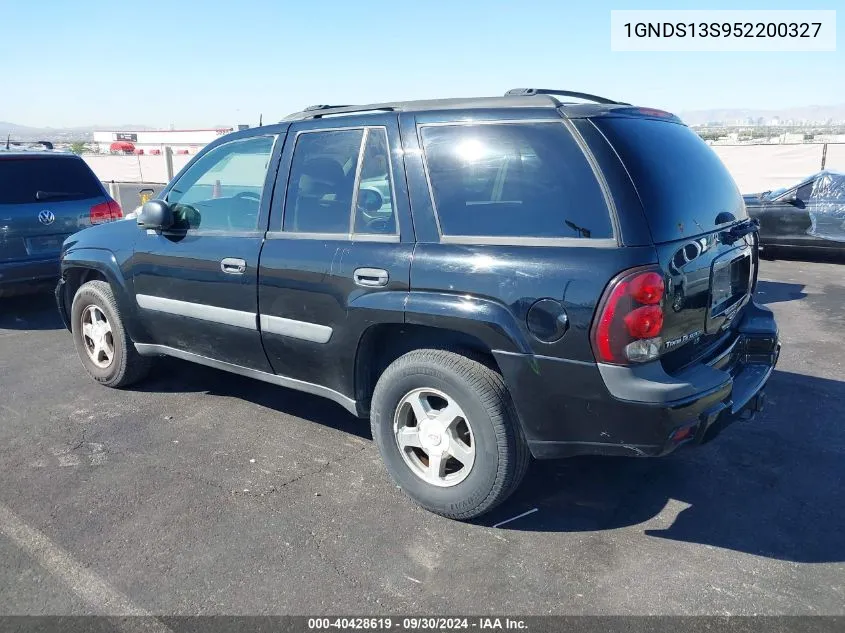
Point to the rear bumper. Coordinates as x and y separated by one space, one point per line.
571 408
16 277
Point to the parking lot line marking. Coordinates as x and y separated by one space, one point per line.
84 583
518 516
15 411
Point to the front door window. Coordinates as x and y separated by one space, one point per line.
222 190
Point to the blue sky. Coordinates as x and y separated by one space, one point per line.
191 63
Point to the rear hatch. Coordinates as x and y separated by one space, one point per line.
43 199
700 228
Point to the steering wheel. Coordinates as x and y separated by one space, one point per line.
370 216
244 219
377 224
368 207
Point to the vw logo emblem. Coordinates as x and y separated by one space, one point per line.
46 217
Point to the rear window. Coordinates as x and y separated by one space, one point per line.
684 187
513 180
60 178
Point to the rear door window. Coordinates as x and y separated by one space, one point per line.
682 184
55 177
525 180
322 181
374 198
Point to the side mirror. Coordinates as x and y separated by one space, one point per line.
370 200
156 215
792 199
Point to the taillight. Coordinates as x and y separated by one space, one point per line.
644 322
647 288
105 212
630 319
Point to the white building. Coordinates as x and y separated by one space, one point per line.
154 141
791 138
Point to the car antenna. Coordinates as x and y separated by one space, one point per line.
8 136
260 119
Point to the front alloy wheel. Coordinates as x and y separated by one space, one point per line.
104 347
97 336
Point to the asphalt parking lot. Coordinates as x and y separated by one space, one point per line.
201 492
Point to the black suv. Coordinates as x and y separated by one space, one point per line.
485 279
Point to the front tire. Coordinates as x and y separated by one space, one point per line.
768 253
101 341
448 433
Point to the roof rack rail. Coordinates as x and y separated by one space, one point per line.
528 92
320 111
322 107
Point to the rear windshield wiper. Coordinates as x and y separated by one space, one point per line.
583 232
740 230
46 195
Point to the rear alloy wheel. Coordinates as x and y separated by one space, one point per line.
103 346
448 433
434 437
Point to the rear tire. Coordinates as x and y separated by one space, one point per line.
101 341
448 411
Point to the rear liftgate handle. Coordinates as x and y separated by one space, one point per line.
370 277
233 266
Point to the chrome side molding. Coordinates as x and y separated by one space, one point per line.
296 329
226 316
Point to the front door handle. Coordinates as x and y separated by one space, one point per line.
370 277
233 265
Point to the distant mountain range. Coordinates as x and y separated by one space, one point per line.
728 116
14 127
81 133
731 115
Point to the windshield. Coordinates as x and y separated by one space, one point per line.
33 179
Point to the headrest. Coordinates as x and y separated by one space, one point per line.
326 170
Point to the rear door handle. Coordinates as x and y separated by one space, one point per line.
233 265
370 277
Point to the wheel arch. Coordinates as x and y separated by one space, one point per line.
383 343
473 326
87 264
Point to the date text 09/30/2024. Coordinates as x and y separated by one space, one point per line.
417 624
